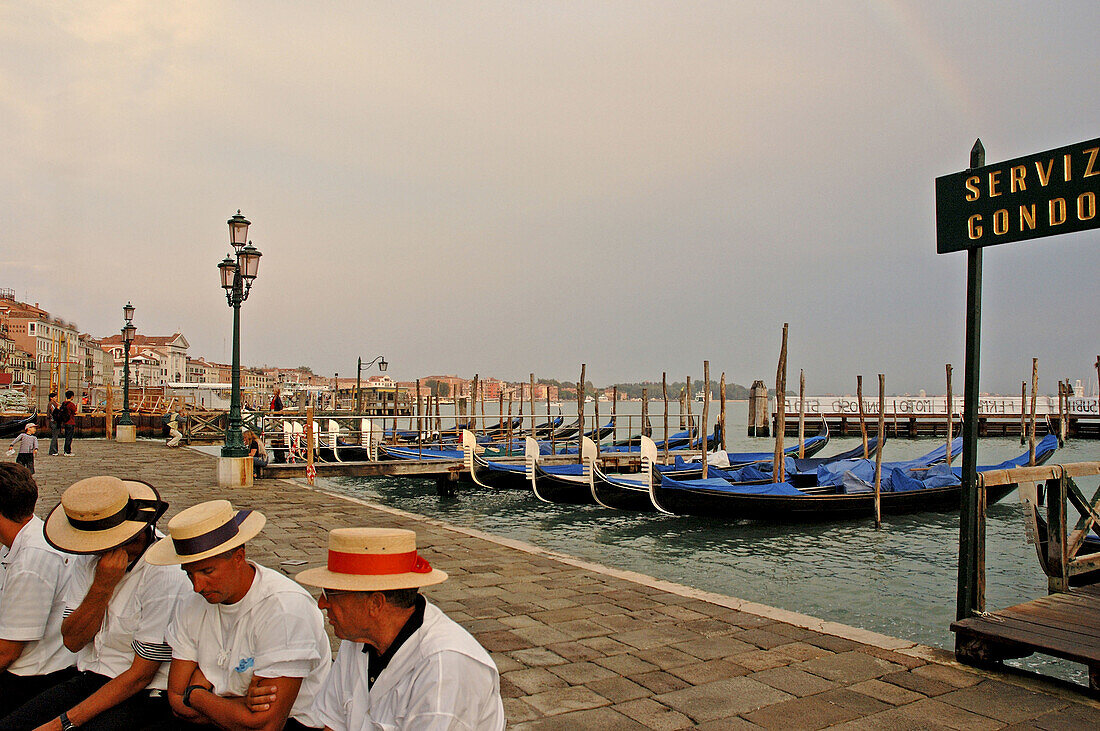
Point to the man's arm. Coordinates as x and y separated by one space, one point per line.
10 650
115 691
78 629
234 713
180 675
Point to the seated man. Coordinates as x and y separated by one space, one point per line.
33 579
402 663
117 608
245 627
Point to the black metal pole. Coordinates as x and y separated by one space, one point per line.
234 444
126 420
968 599
358 373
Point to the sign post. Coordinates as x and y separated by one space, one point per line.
1045 194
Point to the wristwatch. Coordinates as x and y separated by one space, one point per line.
66 724
187 693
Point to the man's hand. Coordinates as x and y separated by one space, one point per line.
111 567
260 697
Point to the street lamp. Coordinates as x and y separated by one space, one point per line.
382 366
128 331
237 276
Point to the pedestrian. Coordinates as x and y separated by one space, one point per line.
70 422
402 662
33 581
57 421
256 451
176 420
117 609
26 446
245 626
277 401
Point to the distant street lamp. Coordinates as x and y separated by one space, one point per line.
237 277
128 331
382 366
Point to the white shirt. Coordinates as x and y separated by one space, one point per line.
440 678
138 611
33 578
274 631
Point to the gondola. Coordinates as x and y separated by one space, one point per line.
570 486
626 491
13 427
783 502
684 470
501 475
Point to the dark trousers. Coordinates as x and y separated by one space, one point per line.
26 459
138 711
14 689
70 430
55 432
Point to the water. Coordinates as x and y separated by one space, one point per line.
899 581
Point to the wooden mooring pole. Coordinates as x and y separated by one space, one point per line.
878 448
645 430
778 474
687 391
580 413
801 413
862 415
664 393
950 416
1023 413
534 432
706 414
722 406
1031 424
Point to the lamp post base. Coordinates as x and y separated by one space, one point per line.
125 432
235 471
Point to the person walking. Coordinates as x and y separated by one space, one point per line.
57 422
70 422
26 446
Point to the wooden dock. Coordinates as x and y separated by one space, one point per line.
1065 625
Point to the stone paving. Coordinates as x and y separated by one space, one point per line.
582 646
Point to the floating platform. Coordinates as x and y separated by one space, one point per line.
1065 625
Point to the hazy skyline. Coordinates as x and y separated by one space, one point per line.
503 188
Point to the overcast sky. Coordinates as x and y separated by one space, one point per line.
508 187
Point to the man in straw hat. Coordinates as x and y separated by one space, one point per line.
117 608
402 662
33 579
244 627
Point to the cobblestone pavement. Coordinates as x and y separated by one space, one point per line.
580 646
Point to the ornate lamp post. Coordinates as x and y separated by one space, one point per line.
382 366
128 331
237 277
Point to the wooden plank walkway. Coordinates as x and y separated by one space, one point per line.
1065 625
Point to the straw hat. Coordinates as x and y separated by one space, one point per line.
205 530
101 513
372 559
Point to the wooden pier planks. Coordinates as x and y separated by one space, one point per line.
1065 625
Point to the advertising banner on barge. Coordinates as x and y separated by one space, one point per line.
904 406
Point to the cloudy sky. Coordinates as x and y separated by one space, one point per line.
508 187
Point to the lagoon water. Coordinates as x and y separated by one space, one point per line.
899 580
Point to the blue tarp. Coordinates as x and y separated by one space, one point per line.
716 484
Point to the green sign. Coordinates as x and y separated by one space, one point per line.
1049 193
